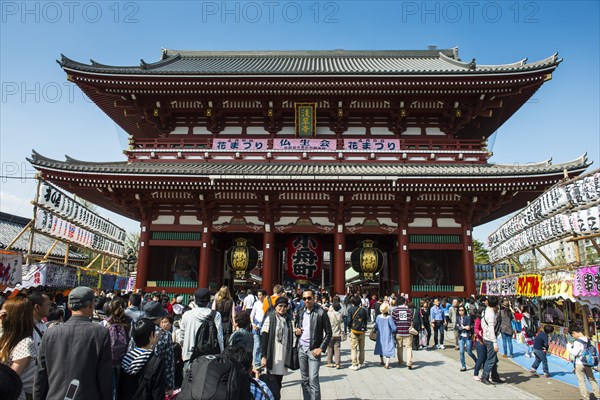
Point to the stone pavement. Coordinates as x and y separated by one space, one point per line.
435 376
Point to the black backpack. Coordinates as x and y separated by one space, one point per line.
215 377
206 342
358 320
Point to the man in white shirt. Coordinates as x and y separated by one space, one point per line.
582 371
256 318
488 323
249 301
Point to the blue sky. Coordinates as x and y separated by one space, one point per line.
41 110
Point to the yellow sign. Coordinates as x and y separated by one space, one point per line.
306 119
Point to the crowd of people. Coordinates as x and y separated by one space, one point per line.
147 346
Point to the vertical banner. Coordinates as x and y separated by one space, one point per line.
34 275
10 268
306 119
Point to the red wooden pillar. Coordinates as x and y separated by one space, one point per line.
267 266
204 267
143 255
339 259
469 268
403 262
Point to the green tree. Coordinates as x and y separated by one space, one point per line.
480 253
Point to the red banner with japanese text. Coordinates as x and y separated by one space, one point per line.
304 257
529 285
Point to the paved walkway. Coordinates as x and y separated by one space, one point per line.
435 376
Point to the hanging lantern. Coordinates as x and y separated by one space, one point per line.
241 258
367 260
304 257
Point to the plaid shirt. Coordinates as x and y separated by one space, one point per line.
257 394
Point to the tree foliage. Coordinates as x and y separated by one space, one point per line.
480 253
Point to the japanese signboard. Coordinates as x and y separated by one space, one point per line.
10 268
304 144
60 276
557 284
306 119
121 283
304 257
89 279
587 281
500 287
529 286
372 145
240 144
34 275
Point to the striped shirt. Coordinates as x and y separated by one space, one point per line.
135 360
402 317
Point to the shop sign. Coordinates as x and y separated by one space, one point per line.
10 268
529 286
587 281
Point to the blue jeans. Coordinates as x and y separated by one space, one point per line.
256 349
540 357
346 320
491 362
481 357
116 369
507 342
309 370
465 342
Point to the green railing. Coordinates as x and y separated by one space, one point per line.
173 284
434 239
437 288
176 236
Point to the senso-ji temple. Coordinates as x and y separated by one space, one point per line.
317 149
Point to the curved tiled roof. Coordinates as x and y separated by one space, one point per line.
334 62
11 226
272 171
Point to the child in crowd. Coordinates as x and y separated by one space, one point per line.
540 347
142 372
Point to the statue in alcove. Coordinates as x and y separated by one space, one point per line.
185 265
428 269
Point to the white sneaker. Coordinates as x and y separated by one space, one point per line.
354 367
442 346
476 377
363 365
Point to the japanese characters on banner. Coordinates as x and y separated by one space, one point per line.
59 203
304 257
374 145
240 144
585 221
587 281
529 285
90 279
557 284
532 226
34 275
10 268
304 144
60 276
501 287
59 228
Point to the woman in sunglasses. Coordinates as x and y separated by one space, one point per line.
277 342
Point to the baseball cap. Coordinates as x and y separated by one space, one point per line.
80 297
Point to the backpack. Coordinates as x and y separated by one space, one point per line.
206 342
530 329
358 321
118 342
270 308
215 377
589 355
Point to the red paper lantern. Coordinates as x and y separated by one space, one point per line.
304 257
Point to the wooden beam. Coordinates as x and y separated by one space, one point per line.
546 257
516 261
92 262
11 244
596 247
66 262
47 255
